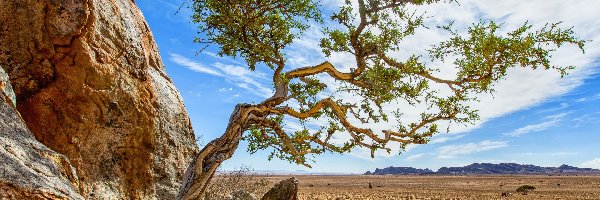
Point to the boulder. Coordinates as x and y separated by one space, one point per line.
284 190
29 169
90 84
242 195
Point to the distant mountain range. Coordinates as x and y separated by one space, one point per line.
399 170
486 168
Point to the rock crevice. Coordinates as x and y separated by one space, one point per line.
29 169
90 85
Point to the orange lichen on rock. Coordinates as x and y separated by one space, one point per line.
91 85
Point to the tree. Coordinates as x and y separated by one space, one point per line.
258 31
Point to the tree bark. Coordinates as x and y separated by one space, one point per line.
203 167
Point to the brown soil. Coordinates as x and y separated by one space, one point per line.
445 187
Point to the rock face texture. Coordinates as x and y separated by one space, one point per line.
91 85
6 88
284 190
29 169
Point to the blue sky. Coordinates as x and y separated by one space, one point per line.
535 117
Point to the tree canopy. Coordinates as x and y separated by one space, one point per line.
259 31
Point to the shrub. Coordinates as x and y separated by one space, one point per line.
525 189
237 184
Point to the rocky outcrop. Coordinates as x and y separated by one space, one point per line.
91 85
514 168
486 168
284 190
241 194
29 169
398 171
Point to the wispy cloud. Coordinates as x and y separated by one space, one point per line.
246 79
225 89
590 118
595 163
581 100
511 94
564 154
239 76
414 157
451 151
444 138
560 107
559 115
533 128
365 153
194 66
498 161
214 55
554 120
591 98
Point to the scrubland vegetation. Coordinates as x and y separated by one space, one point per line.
444 187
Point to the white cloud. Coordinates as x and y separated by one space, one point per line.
558 116
365 153
195 93
591 98
498 161
512 93
245 78
564 154
414 157
533 128
332 4
194 66
522 88
214 55
554 120
595 163
450 151
590 118
561 107
445 138
225 89
240 76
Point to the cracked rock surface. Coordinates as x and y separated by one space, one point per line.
29 169
90 85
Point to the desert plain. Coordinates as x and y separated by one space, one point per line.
443 187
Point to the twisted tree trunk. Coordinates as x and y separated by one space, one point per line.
203 167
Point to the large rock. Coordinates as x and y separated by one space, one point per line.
91 85
29 170
6 88
284 190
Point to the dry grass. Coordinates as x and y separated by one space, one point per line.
445 187
238 184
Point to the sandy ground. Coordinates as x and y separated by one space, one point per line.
445 187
